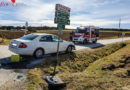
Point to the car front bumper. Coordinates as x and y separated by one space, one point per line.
78 39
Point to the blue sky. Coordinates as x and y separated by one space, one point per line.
102 13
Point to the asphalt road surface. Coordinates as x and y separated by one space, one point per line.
100 43
4 52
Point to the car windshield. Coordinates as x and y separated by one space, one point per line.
80 31
29 37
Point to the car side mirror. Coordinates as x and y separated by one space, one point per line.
61 40
87 33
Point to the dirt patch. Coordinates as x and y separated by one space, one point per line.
14 85
109 67
122 69
122 64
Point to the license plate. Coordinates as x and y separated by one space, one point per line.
14 44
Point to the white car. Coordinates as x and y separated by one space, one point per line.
38 44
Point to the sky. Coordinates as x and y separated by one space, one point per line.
101 13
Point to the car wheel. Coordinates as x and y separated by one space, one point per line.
95 41
74 42
69 49
39 53
84 41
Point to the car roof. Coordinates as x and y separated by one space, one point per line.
41 34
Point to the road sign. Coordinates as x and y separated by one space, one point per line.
60 26
123 34
63 8
62 16
62 21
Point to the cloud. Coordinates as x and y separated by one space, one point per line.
36 11
10 22
84 12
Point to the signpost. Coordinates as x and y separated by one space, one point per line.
62 15
123 34
26 28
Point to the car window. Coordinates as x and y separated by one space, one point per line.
55 39
46 39
29 37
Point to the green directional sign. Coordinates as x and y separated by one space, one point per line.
62 16
60 26
62 21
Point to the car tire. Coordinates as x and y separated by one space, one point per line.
84 41
38 53
69 49
74 42
95 41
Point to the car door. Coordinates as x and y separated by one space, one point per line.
61 44
47 43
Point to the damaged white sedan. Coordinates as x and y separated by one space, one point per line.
39 44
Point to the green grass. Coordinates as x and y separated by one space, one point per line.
46 31
36 80
52 31
84 70
4 41
11 31
114 37
8 35
95 78
114 31
80 61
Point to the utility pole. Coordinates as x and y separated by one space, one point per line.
119 23
26 28
119 27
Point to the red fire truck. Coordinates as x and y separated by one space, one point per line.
86 34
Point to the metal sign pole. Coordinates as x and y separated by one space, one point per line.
122 38
26 28
62 15
61 19
123 34
57 56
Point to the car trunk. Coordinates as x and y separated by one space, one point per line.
16 42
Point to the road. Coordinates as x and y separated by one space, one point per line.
6 53
100 43
7 74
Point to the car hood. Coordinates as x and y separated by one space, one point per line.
68 42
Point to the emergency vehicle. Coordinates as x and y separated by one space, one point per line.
86 34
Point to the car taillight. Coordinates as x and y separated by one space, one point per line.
84 35
22 45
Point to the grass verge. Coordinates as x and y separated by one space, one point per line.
35 80
4 41
109 73
92 69
79 61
